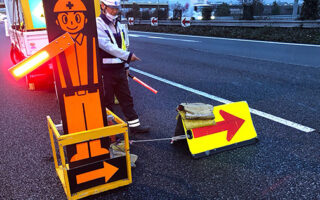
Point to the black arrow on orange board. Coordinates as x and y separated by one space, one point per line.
107 172
184 21
231 124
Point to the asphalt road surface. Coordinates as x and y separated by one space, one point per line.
280 82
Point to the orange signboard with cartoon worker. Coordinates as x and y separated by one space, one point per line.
77 76
73 47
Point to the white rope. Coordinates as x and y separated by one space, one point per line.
152 140
172 139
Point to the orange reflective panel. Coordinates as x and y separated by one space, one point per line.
43 55
82 108
69 6
96 150
107 172
71 22
82 152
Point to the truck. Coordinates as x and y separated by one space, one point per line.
188 8
26 27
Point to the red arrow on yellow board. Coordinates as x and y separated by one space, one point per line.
231 124
107 172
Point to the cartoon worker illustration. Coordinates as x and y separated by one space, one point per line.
78 79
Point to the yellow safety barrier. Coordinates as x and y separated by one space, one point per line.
62 168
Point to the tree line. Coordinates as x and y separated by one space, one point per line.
161 13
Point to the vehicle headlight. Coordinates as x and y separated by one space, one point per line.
213 17
199 17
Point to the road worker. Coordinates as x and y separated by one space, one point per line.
115 62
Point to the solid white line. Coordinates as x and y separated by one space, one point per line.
232 39
225 101
134 35
153 37
161 38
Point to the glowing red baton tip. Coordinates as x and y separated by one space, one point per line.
143 84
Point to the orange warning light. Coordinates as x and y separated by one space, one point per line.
29 65
43 55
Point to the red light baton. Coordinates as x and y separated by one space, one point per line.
143 84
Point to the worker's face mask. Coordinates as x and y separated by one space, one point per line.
113 17
111 13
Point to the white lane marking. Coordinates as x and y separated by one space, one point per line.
231 39
183 40
134 35
161 38
225 101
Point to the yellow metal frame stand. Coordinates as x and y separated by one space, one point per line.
75 138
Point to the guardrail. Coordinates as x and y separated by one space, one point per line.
240 23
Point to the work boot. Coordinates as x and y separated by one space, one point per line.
139 129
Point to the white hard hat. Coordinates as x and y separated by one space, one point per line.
112 3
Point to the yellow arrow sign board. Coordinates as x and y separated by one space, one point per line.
233 128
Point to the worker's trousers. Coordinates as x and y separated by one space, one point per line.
115 83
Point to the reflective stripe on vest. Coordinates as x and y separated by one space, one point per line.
124 47
112 61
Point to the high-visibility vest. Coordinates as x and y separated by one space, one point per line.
107 59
